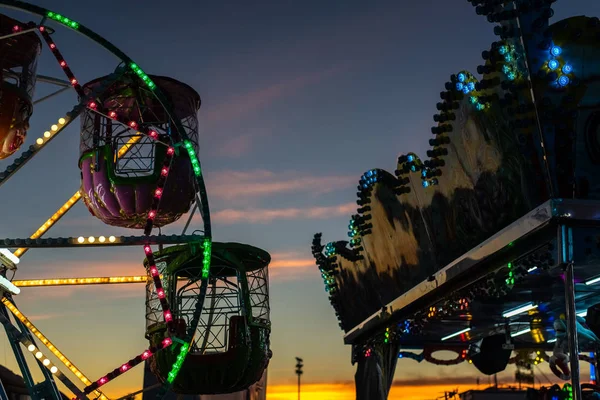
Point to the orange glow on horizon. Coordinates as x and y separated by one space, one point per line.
346 391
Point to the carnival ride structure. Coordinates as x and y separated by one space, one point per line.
207 303
483 248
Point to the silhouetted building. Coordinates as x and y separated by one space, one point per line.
493 394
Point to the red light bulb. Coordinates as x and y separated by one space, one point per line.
102 380
42 29
164 171
152 214
124 367
158 192
167 342
93 105
154 270
63 63
153 134
161 293
146 355
168 316
73 81
112 114
171 151
52 46
16 28
133 124
147 249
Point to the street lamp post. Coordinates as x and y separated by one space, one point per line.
299 372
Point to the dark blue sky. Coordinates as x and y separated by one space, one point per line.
299 99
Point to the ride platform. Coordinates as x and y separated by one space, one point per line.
552 255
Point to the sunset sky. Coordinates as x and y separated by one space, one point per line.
299 99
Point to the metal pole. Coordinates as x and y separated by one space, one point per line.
298 386
572 330
548 176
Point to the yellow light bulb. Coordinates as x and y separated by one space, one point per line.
101 239
31 348
39 141
112 239
62 121
47 134
91 239
54 369
80 239
46 362
38 354
54 128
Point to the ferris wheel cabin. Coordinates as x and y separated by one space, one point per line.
230 326
120 167
18 64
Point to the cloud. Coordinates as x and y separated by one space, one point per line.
229 116
241 105
229 184
291 265
41 317
262 215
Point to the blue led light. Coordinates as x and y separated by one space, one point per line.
563 80
425 184
555 51
471 85
553 64
503 50
459 86
567 69
462 77
480 106
511 76
466 89
473 100
410 158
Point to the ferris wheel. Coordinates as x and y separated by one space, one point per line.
207 304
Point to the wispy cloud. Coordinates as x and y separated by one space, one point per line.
41 317
229 184
263 216
291 265
243 104
226 121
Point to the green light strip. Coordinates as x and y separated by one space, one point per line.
185 346
143 76
63 20
190 149
206 259
178 363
